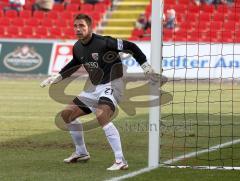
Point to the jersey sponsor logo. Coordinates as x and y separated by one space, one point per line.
120 44
92 65
23 59
95 56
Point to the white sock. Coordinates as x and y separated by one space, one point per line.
113 137
76 131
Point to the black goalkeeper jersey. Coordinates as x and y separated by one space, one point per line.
100 57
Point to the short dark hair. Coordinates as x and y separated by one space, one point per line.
85 17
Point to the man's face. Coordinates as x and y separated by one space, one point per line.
81 29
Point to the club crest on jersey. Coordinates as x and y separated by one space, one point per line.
95 56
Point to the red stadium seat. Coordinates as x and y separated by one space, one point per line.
48 23
237 26
214 36
13 31
52 15
229 26
81 12
190 18
25 14
146 38
87 7
215 26
203 26
226 36
222 8
18 22
180 36
11 14
2 31
148 31
69 33
208 8
148 9
237 34
186 2
27 6
72 7
168 39
187 26
170 1
205 36
55 33
107 2
193 36
233 9
32 22
1 14
27 32
4 21
76 2
167 7
204 17
168 33
237 39
58 7
61 23
234 17
96 16
66 15
41 32
218 17
39 14
137 32
193 9
180 8
101 8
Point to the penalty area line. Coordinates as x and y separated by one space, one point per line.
176 159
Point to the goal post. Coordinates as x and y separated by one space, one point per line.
156 58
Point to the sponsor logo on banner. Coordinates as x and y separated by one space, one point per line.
62 55
193 60
23 59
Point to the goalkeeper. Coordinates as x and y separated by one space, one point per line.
99 56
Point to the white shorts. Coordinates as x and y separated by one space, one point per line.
109 93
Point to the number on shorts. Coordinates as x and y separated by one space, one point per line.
108 91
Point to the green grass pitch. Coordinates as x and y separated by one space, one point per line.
32 147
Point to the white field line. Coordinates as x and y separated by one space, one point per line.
191 154
205 167
176 159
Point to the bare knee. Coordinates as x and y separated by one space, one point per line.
67 116
104 114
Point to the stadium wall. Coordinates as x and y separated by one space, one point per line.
179 59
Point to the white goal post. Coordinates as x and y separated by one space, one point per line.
156 59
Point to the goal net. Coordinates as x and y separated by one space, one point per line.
200 127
